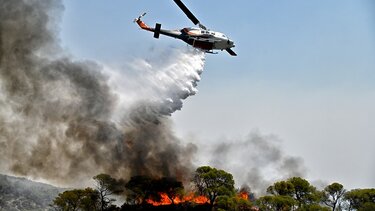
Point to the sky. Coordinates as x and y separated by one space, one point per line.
305 72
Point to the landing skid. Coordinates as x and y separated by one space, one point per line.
211 52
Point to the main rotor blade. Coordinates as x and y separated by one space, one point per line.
187 11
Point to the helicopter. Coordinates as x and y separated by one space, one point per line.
199 37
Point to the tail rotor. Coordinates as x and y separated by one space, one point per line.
139 18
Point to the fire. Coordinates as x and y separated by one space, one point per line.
243 195
165 200
196 199
200 200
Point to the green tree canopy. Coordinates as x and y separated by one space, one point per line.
224 203
313 207
282 188
276 203
232 203
333 194
77 199
361 199
304 193
295 188
212 183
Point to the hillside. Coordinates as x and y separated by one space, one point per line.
23 194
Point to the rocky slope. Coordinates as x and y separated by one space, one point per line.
23 194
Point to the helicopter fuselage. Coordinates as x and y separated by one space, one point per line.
199 38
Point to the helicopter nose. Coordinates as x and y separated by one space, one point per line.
231 43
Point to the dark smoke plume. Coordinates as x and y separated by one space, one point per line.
63 120
256 161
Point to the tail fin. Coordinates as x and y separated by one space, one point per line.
157 30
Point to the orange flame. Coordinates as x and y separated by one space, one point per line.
243 195
165 200
196 199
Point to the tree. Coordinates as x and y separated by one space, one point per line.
313 207
212 183
303 192
232 203
245 192
68 200
360 199
332 195
276 203
243 205
139 189
224 203
282 188
106 186
169 186
90 200
77 199
294 188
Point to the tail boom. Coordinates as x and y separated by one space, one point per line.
143 25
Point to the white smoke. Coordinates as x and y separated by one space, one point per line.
256 160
